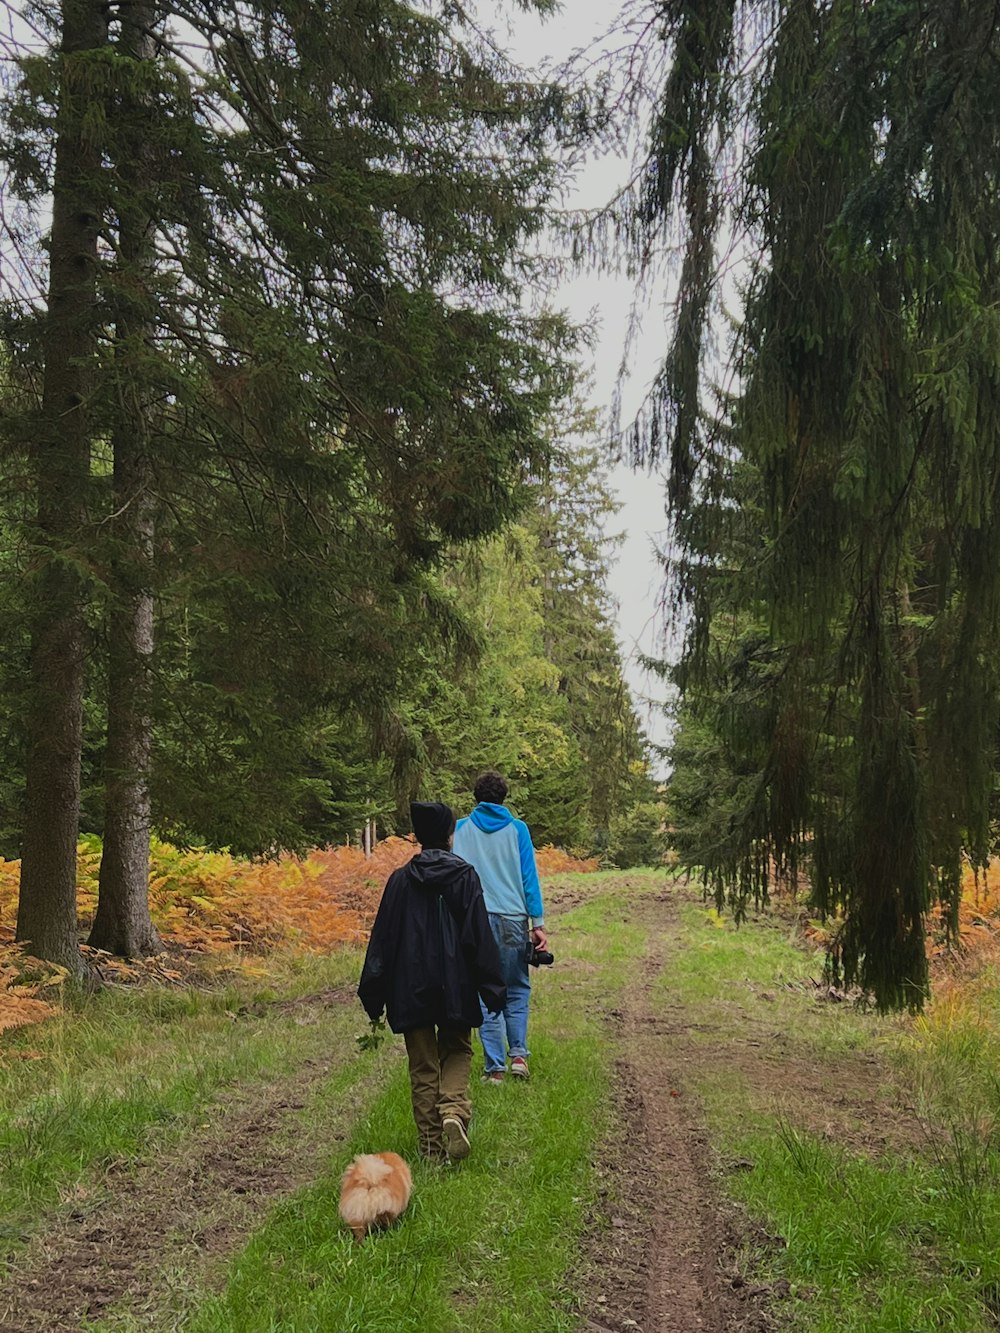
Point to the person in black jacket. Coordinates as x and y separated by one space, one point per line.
431 956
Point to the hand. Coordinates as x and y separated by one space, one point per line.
540 938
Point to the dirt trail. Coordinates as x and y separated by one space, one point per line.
670 1260
665 1264
124 1242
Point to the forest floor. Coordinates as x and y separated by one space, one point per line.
712 1139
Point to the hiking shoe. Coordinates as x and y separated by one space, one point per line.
455 1137
495 1076
519 1067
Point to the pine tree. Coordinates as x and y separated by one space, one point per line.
122 924
851 151
61 457
575 506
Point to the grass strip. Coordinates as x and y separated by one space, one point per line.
720 970
487 1247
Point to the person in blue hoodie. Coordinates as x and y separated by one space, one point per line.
499 847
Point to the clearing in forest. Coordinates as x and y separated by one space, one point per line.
711 1139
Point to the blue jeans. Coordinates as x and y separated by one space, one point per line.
507 1032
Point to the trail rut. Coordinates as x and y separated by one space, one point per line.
118 1249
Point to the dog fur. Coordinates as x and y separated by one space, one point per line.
374 1191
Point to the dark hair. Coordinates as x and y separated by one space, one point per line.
490 787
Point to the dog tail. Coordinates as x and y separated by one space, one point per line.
370 1199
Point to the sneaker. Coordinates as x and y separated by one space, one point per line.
519 1067
455 1137
495 1076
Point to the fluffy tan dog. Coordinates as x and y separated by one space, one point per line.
374 1191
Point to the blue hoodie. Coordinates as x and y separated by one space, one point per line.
499 846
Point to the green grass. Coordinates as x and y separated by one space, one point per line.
596 934
121 1071
481 1248
868 1246
901 1243
890 1244
486 1247
721 969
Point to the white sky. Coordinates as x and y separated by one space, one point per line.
637 579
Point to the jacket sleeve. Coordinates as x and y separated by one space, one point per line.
373 988
529 873
482 950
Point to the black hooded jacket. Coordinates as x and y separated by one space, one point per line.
432 954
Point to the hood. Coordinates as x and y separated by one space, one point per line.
434 868
491 818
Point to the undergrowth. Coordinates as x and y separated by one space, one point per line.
215 908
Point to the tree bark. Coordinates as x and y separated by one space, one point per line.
47 908
123 924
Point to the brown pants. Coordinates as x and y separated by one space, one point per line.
440 1062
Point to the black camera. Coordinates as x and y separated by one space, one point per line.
538 957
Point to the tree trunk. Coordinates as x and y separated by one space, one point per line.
547 543
47 908
123 924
